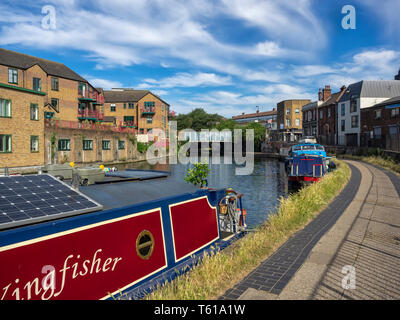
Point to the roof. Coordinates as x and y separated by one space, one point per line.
333 99
24 61
127 95
372 89
254 115
394 100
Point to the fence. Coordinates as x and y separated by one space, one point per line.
51 123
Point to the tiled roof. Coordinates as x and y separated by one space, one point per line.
372 89
126 95
333 99
24 61
254 115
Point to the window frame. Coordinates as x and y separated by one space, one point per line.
65 145
14 74
3 137
353 124
36 114
31 140
39 88
106 144
55 80
121 144
57 106
87 144
6 108
113 107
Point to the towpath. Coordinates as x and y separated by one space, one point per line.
351 250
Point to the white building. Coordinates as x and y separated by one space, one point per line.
361 95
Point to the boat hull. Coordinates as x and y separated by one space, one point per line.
106 254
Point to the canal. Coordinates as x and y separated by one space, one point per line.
261 190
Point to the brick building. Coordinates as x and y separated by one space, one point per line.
380 125
289 118
139 109
327 122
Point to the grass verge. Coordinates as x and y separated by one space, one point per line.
386 163
220 271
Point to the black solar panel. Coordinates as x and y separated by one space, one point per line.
34 198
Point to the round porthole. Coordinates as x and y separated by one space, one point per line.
145 244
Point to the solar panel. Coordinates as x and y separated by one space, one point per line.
35 198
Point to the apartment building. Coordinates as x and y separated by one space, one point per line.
380 125
360 95
327 118
139 109
289 118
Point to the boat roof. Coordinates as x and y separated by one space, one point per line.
124 193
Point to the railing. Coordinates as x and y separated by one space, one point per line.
148 110
127 124
90 114
64 124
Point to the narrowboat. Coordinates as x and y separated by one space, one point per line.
307 162
116 238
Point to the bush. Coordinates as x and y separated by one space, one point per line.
198 174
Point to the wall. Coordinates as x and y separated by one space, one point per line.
22 128
97 154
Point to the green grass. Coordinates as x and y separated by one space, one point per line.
220 271
387 163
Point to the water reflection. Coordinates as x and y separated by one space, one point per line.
262 189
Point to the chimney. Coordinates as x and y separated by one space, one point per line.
343 88
397 77
258 111
326 93
319 95
243 113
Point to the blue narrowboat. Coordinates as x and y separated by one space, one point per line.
119 238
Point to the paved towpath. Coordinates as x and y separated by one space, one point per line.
351 250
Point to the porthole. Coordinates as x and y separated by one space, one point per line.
145 244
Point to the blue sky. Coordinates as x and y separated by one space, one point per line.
227 56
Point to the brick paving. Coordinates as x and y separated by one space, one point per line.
273 274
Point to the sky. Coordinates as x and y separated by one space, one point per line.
226 56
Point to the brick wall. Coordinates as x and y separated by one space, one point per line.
22 128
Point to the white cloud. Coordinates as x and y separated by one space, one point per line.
188 80
103 83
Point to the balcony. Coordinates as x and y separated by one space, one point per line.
148 111
93 115
127 124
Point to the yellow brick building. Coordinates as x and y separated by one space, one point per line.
140 109
290 118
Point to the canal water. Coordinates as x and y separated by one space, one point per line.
261 190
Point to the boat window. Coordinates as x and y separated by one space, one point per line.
310 147
319 147
145 244
295 148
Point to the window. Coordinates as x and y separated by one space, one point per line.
34 143
106 144
343 125
112 107
377 132
354 121
149 104
12 75
297 110
87 144
5 108
309 116
343 106
131 105
37 84
5 143
288 111
82 88
64 145
121 144
149 120
34 112
54 84
55 104
297 122
394 112
329 112
321 114
288 122
124 105
353 105
48 115
141 130
378 114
